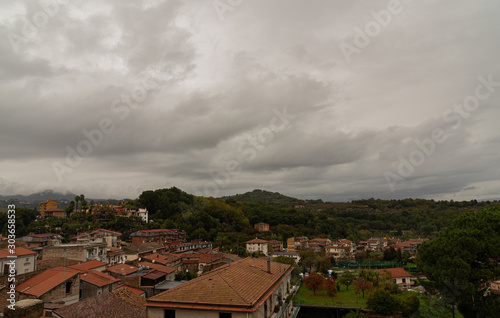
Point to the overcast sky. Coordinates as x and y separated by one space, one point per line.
337 100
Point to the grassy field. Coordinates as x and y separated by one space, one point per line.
342 298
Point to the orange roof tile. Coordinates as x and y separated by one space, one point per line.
202 258
97 278
158 267
240 284
256 241
121 303
163 259
133 289
18 251
86 266
42 283
122 269
395 272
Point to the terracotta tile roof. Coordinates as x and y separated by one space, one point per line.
202 258
97 278
163 259
115 251
43 235
86 266
54 210
239 286
275 242
154 275
158 267
18 251
418 240
145 247
122 269
56 262
42 283
137 291
396 272
121 303
256 241
112 232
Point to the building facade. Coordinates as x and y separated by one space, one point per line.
250 288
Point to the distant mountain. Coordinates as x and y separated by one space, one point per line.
266 198
40 196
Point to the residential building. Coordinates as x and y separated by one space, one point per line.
188 247
495 287
54 212
47 205
94 283
136 291
168 271
90 266
120 270
111 238
294 256
121 303
275 246
250 287
322 242
143 214
257 246
33 241
401 277
160 236
25 261
134 252
200 263
262 227
377 243
340 251
115 256
79 252
60 284
169 260
297 244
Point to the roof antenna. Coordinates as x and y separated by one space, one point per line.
269 264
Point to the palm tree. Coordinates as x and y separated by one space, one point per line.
83 203
77 198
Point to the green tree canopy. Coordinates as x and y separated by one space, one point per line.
462 261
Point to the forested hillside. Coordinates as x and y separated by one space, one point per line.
228 222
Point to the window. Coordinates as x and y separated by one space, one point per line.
404 280
110 287
225 315
68 287
169 313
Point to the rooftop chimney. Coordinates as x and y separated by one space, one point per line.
269 264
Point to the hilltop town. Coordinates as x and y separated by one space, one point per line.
171 254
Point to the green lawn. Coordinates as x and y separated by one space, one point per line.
342 298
